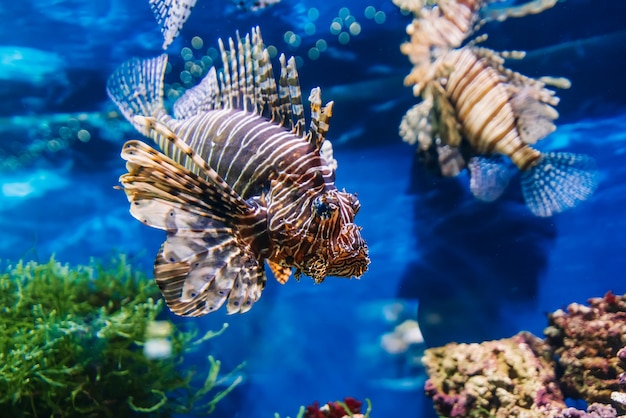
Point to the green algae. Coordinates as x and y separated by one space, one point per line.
71 344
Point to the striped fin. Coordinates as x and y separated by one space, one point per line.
247 82
489 176
171 16
320 118
201 98
136 87
202 263
199 271
164 136
153 175
559 181
281 273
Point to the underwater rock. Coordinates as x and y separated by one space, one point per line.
505 378
590 342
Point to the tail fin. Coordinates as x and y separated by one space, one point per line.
136 87
559 182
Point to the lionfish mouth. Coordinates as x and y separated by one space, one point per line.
349 254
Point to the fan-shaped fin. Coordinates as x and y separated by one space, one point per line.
171 16
558 182
202 266
205 259
136 87
489 176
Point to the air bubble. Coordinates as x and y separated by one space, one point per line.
65 132
370 11
313 13
186 53
309 28
314 53
212 52
196 70
185 77
344 38
344 12
197 42
83 135
349 20
272 50
321 45
335 28
355 29
380 17
207 61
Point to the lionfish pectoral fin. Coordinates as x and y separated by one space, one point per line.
489 176
199 271
281 273
559 181
153 176
203 262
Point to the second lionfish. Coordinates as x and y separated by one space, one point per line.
239 182
474 110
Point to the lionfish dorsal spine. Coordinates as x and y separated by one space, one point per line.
320 118
295 95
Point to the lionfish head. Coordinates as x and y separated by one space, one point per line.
343 251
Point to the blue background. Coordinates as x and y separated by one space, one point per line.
477 271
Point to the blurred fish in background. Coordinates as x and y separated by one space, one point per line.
474 110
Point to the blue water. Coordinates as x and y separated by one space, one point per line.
477 271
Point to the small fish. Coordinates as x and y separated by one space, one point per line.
474 112
239 181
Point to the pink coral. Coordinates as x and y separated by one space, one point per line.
589 341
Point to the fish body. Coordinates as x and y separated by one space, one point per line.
474 112
238 182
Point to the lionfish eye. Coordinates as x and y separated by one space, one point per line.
323 209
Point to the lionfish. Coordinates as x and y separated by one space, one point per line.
239 180
474 110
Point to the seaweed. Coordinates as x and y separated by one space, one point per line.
72 344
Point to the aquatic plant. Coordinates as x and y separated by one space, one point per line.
73 343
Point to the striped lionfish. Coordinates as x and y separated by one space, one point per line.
474 110
239 180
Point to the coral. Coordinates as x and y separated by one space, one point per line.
350 407
506 378
71 345
590 342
